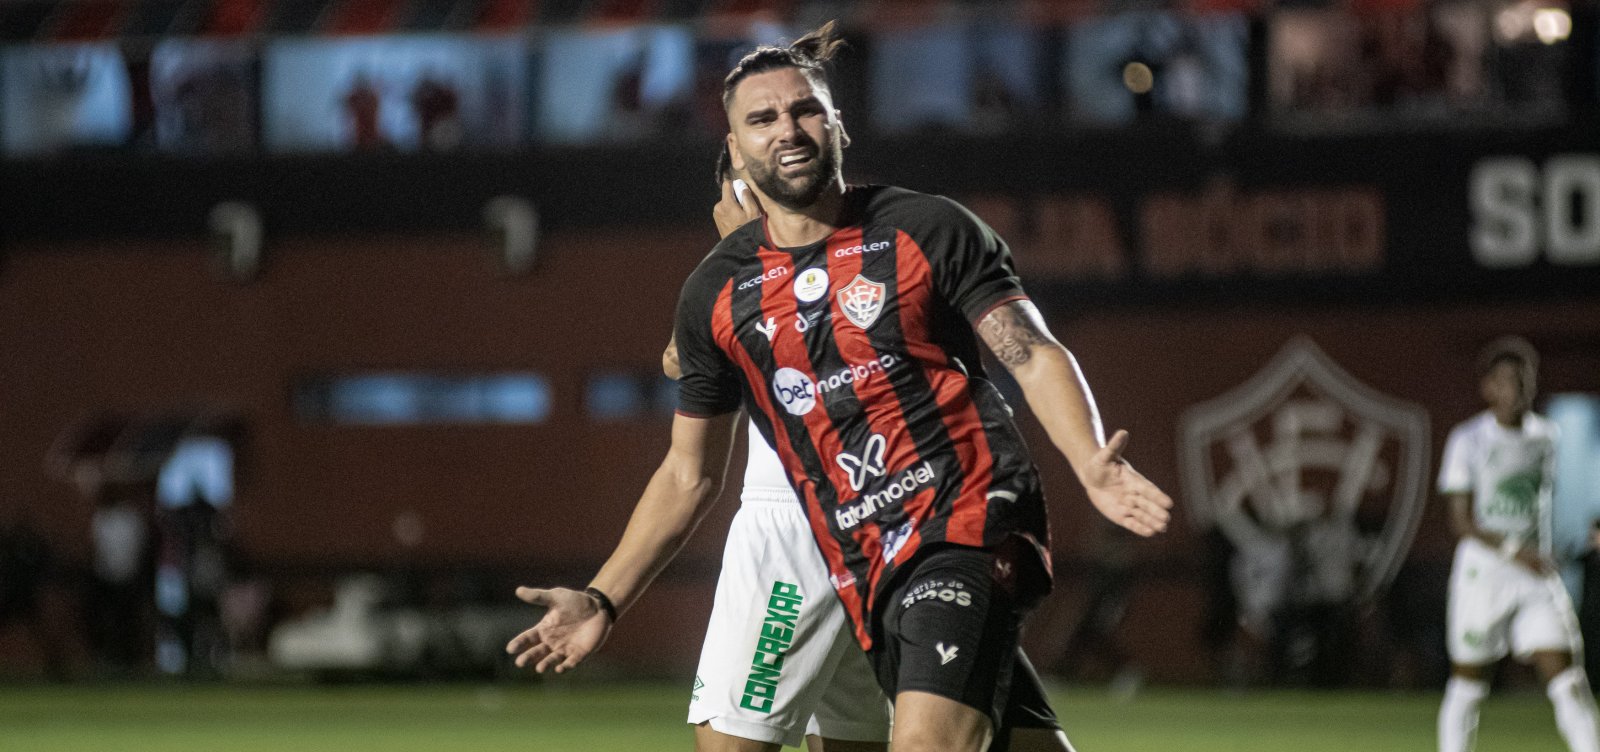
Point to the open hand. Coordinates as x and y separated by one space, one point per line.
1122 494
573 627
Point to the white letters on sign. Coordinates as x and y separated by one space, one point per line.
1520 212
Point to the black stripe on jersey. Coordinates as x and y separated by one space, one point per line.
839 405
1012 470
928 431
842 403
747 305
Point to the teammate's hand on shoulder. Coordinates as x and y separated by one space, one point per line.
737 207
573 627
1122 494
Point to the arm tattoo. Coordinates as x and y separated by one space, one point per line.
1011 331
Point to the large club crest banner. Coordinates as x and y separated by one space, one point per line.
1316 479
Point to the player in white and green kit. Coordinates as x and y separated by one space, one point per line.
779 661
1505 596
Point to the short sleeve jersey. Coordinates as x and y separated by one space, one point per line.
1507 471
856 358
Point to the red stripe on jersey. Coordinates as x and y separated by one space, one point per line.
969 510
879 400
881 403
915 293
789 351
722 329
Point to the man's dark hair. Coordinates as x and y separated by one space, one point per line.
808 53
724 165
1509 349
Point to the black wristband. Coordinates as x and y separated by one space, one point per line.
605 602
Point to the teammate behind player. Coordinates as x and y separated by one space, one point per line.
844 323
1505 596
825 691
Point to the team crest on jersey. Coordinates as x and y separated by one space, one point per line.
1317 480
861 301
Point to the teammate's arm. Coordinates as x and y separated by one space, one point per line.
1457 477
669 360
1464 526
1060 397
737 207
677 498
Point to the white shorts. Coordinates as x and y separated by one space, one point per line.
780 659
1498 607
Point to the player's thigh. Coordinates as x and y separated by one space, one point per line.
949 630
737 611
769 637
1478 620
1545 624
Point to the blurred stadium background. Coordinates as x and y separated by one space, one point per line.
326 322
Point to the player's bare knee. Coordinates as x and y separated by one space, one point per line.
929 723
1469 672
707 739
1550 663
933 740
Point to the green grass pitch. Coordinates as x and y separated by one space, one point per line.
587 716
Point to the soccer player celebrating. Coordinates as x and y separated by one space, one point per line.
773 591
843 322
1505 595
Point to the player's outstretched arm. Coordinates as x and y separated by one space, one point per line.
1059 396
677 498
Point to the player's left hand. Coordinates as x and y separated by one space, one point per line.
1122 494
573 627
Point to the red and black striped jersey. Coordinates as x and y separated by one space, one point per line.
856 358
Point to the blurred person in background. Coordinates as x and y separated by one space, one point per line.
27 565
362 103
121 577
194 491
1505 595
926 506
1095 641
1589 603
437 107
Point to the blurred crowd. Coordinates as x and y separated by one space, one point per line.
950 71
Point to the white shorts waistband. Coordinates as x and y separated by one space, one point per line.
762 495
